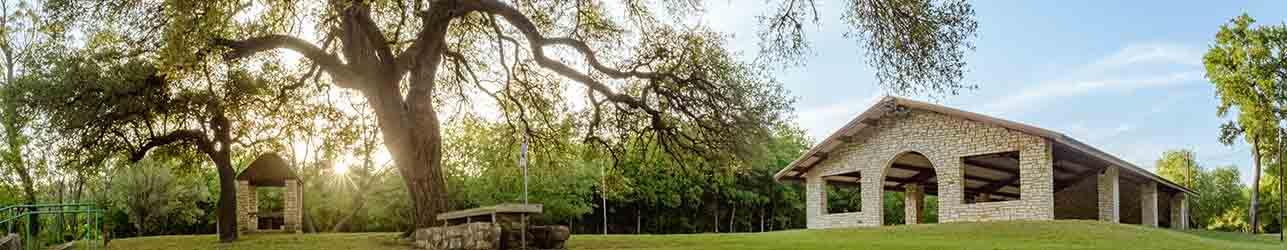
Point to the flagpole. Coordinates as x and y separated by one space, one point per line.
522 163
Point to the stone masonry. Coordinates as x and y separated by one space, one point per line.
247 207
1148 204
471 236
1179 212
944 140
914 204
1109 197
292 210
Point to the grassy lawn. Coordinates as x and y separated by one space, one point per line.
996 235
265 241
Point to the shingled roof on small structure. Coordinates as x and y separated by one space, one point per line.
268 170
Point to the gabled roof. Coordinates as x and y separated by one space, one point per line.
887 103
268 170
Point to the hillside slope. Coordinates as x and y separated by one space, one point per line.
992 235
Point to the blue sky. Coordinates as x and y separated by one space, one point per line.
1124 76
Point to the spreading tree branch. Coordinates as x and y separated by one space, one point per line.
537 42
185 135
339 71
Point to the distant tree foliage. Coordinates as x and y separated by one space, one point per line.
155 199
1221 195
1179 166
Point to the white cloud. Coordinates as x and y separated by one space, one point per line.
1121 71
1151 53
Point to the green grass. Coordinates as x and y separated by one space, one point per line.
265 241
994 235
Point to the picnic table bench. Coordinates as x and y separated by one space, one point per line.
508 215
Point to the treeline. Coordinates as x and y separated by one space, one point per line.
1223 201
648 191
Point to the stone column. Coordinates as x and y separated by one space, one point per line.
913 204
815 200
1110 202
1148 203
247 206
1179 212
292 213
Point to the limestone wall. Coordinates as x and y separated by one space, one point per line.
471 236
293 217
1148 204
943 140
247 207
1179 212
1109 196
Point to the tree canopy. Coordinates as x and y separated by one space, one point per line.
1245 64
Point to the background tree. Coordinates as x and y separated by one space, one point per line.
22 31
1179 166
1246 65
154 197
677 84
1219 190
129 106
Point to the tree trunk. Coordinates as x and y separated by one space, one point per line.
1255 186
716 204
761 219
732 217
226 213
638 220
13 156
603 198
62 218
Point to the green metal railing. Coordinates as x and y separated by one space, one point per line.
91 238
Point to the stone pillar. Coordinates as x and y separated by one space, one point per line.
913 204
293 215
247 207
1148 203
1179 212
1110 202
815 200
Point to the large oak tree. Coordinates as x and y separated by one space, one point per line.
102 102
624 71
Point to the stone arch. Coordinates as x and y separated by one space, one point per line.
940 168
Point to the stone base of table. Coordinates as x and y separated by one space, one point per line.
470 236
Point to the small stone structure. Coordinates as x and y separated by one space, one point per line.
268 170
981 169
